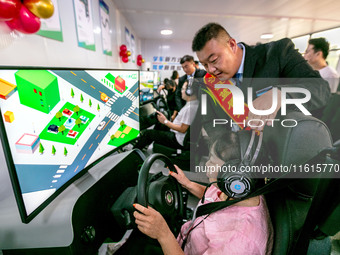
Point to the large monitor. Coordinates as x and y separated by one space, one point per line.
149 81
57 123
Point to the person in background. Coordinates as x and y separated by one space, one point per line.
177 129
171 87
174 77
188 66
316 54
197 64
243 228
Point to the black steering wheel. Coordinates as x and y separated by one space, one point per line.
164 193
163 107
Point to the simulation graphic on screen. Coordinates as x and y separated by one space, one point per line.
148 83
58 122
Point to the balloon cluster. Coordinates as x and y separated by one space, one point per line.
24 15
124 53
140 60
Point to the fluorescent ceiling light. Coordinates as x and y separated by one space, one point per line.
267 36
166 32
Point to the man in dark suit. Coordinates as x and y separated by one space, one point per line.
275 64
188 66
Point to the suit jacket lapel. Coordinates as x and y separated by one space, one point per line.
249 66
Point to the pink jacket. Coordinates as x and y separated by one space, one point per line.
232 230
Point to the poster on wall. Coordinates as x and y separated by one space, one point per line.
83 15
51 27
133 48
127 38
105 27
167 63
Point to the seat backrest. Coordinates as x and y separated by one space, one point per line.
331 115
293 145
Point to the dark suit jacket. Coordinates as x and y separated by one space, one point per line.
283 66
199 73
276 64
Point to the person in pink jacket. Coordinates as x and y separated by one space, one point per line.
242 228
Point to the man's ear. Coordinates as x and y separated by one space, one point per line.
232 43
319 54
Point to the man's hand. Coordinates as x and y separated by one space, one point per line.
151 222
264 102
160 116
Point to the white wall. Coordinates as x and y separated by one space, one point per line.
35 50
165 48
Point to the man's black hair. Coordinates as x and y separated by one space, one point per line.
186 58
205 34
320 44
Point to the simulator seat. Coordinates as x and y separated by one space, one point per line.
292 206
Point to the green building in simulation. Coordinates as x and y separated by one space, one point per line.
37 89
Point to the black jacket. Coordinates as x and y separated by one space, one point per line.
199 73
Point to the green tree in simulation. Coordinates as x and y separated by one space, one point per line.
61 129
53 150
81 98
58 115
76 109
72 93
90 102
41 148
65 151
78 122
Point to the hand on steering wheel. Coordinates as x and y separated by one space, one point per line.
164 194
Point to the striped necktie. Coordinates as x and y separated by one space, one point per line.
237 78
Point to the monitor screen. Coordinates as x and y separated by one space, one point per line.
156 80
56 123
148 83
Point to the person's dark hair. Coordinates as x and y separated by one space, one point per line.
166 80
186 58
226 145
206 33
320 44
169 84
174 75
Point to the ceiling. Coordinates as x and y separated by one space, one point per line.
245 20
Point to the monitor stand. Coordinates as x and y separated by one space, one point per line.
78 220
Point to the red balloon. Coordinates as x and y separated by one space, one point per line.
139 62
26 22
123 54
123 47
125 59
9 9
139 57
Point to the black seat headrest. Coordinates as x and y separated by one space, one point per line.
294 145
